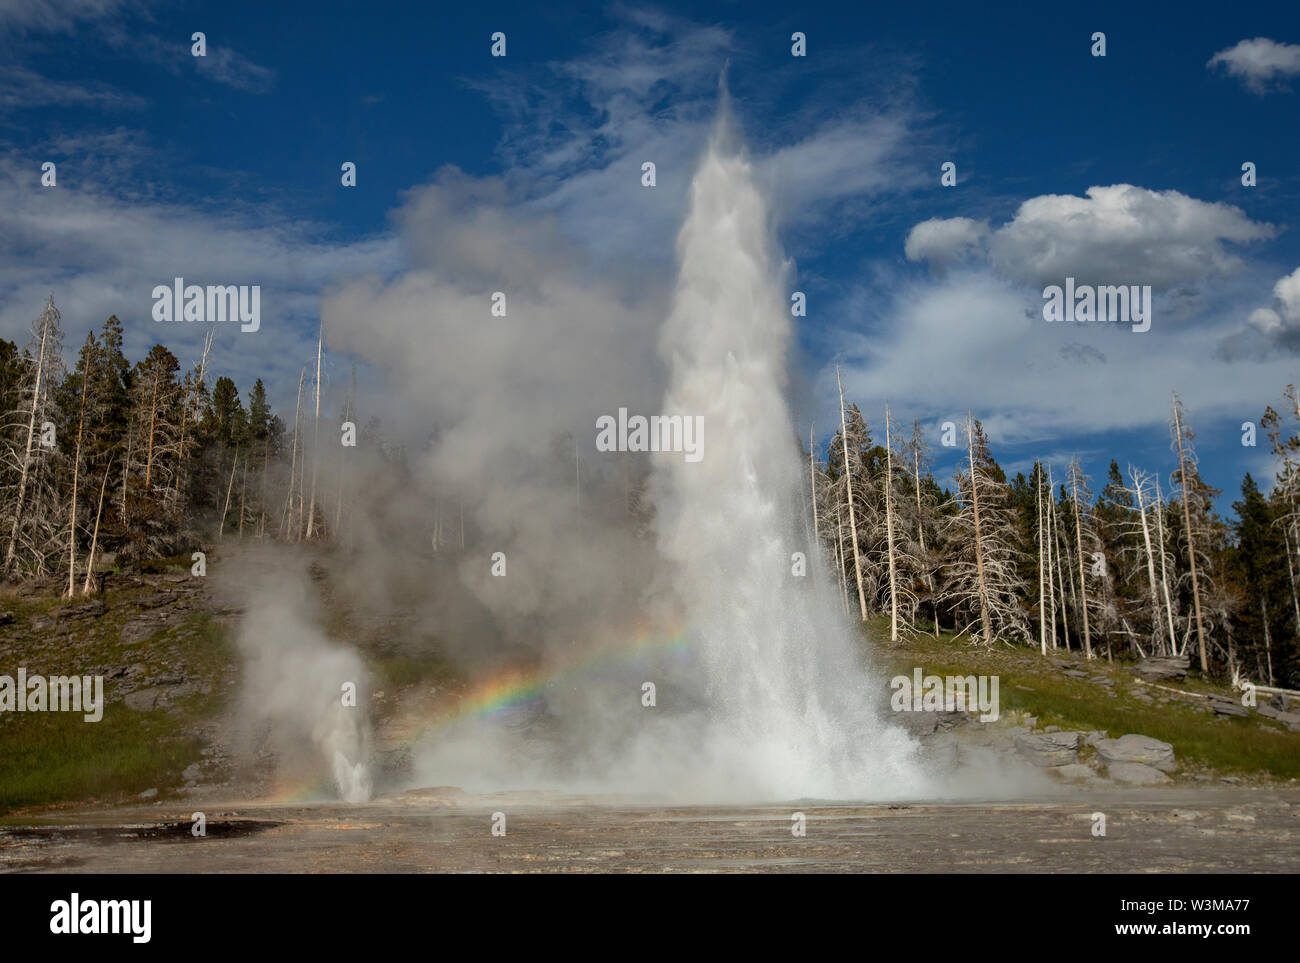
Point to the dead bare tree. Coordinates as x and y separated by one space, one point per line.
983 573
1182 441
848 497
29 527
1077 481
315 444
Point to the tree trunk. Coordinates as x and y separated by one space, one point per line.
76 478
1164 575
287 521
1078 547
1290 568
1151 564
1050 541
243 490
315 443
1061 544
920 534
27 450
1268 640
94 539
979 548
1191 545
229 488
848 491
1042 591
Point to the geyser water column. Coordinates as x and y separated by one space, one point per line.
792 710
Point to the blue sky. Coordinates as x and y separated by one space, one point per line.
225 169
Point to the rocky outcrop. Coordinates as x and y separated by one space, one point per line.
1138 749
1049 749
1161 668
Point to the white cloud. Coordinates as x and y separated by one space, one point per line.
1261 64
942 241
1119 234
970 340
1281 321
102 252
1122 234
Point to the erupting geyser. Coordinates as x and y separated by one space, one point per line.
771 700
792 711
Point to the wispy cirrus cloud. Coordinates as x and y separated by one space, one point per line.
59 16
24 89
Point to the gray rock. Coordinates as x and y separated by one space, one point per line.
141 628
1229 707
1290 719
1049 748
148 794
1075 674
86 610
192 772
142 700
1161 668
1136 774
1094 737
1138 749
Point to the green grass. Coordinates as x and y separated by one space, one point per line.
1243 746
53 757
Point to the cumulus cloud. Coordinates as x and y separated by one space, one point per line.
1033 382
1122 234
943 241
1261 64
1281 321
1119 234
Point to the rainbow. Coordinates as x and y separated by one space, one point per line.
512 687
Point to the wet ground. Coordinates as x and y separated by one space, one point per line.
1171 830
